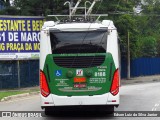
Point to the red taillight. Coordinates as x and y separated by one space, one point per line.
44 85
115 83
46 102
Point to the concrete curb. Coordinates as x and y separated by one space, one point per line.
12 97
140 80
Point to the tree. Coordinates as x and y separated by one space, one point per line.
152 7
148 46
6 2
8 9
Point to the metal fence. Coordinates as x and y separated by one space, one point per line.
141 67
20 74
17 74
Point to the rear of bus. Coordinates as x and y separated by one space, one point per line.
79 66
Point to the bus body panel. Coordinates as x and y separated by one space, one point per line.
112 46
99 83
105 99
44 47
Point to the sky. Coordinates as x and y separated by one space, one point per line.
11 2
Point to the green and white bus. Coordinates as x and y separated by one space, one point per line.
79 65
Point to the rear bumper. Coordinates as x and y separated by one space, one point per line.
105 99
83 108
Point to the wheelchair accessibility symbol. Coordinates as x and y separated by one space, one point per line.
58 73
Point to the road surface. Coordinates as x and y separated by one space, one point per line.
137 97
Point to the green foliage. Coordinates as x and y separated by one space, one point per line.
9 10
34 7
5 2
152 7
147 47
126 23
158 47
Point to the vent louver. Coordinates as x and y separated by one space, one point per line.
79 61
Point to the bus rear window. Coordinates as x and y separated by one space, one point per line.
78 42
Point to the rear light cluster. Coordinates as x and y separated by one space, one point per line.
115 83
44 85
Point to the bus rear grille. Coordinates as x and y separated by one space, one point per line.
79 61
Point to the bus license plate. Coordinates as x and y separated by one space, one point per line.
79 80
80 85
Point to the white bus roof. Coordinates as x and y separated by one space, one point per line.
81 26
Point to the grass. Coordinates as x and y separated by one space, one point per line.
9 93
15 92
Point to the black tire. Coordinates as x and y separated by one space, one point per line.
110 110
51 111
48 111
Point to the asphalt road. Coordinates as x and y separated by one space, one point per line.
137 97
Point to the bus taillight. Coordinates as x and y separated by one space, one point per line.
44 85
115 83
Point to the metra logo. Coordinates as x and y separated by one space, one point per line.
79 72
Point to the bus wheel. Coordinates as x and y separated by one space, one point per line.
110 110
48 111
107 109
